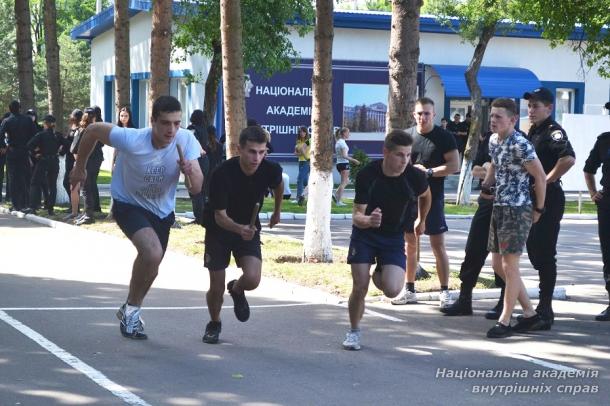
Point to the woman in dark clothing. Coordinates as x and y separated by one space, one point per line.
90 190
66 149
215 156
197 126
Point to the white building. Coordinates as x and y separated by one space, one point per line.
514 62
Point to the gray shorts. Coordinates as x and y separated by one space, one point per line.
509 228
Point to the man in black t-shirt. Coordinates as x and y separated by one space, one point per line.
436 155
384 190
236 186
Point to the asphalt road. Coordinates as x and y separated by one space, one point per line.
60 344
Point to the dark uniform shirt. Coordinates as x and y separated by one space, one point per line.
19 129
600 156
550 142
47 142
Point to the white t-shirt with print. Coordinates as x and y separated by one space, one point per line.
145 176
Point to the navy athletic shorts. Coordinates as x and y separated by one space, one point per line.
435 221
132 218
369 247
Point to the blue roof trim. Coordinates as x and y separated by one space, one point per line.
104 21
494 81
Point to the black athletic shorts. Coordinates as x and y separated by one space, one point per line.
343 167
132 218
220 245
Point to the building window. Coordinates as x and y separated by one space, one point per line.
564 102
179 89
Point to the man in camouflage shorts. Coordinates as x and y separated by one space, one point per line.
513 161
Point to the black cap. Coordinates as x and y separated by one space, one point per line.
541 94
48 119
607 106
31 112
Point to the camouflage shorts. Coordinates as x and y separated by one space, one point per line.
509 229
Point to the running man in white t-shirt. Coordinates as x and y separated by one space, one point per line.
143 188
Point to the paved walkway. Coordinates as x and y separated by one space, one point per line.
60 287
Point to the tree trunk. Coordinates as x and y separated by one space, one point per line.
232 72
317 245
403 59
160 49
122 69
465 182
56 103
25 66
211 85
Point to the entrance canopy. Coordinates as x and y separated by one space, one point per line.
494 81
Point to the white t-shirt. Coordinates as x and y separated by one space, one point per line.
145 176
339 146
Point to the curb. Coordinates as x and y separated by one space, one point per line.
348 216
481 294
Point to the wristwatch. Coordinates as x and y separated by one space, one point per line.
541 211
429 172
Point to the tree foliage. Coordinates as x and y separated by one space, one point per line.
266 46
472 16
75 56
558 20
9 85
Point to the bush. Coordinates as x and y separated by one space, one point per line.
363 158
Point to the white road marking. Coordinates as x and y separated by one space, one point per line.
537 361
93 374
375 314
13 309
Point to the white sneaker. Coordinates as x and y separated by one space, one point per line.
352 341
406 297
445 299
340 204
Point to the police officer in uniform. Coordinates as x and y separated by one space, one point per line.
557 157
45 146
600 156
19 129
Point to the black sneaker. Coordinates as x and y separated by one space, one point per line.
301 200
500 331
532 323
546 314
495 312
603 316
240 304
461 307
212 331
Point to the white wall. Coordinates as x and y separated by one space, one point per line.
582 130
559 64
